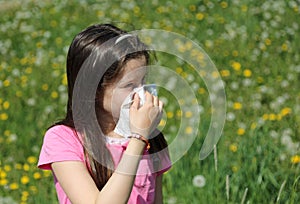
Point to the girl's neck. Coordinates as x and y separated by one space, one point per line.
108 124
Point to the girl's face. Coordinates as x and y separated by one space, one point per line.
132 76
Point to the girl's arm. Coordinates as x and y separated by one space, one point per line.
80 187
158 190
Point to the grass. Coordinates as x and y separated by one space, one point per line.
255 47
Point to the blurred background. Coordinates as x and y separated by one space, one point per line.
255 46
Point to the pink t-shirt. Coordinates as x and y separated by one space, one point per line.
61 143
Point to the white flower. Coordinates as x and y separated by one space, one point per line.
199 181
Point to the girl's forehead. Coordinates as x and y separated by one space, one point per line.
134 67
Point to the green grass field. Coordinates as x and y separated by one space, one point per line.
255 46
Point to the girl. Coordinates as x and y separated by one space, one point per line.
91 166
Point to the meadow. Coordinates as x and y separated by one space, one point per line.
255 45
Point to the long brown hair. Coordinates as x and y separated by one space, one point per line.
99 160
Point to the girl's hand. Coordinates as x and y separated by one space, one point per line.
144 119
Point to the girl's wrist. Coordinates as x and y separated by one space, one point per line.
135 147
141 138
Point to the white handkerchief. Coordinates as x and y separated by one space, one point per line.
123 126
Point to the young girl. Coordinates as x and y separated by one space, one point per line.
105 167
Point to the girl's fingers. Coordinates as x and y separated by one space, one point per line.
155 101
148 98
160 105
136 101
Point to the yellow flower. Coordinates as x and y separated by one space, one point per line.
235 53
295 159
170 114
244 8
188 130
188 114
253 125
233 147
6 105
268 41
178 70
18 166
54 94
7 168
236 66
14 186
285 111
265 116
25 180
3 182
33 189
3 116
284 47
199 16
28 70
241 131
272 116
2 174
162 123
53 23
32 160
6 83
37 175
247 73
225 73
45 87
224 4
201 91
64 79
178 113
47 173
192 8
234 168
237 106
26 167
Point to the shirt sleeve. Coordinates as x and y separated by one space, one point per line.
60 143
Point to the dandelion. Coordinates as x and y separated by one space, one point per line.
237 106
225 73
234 169
199 16
199 181
272 117
188 114
224 4
54 94
37 175
6 83
241 131
162 123
295 159
26 167
236 66
32 160
247 73
64 79
3 182
284 47
6 105
33 189
201 91
24 180
265 116
45 87
14 186
189 130
233 147
3 116
170 114
285 111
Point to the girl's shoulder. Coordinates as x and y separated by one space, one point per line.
62 133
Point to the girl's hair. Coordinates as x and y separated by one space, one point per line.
99 160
